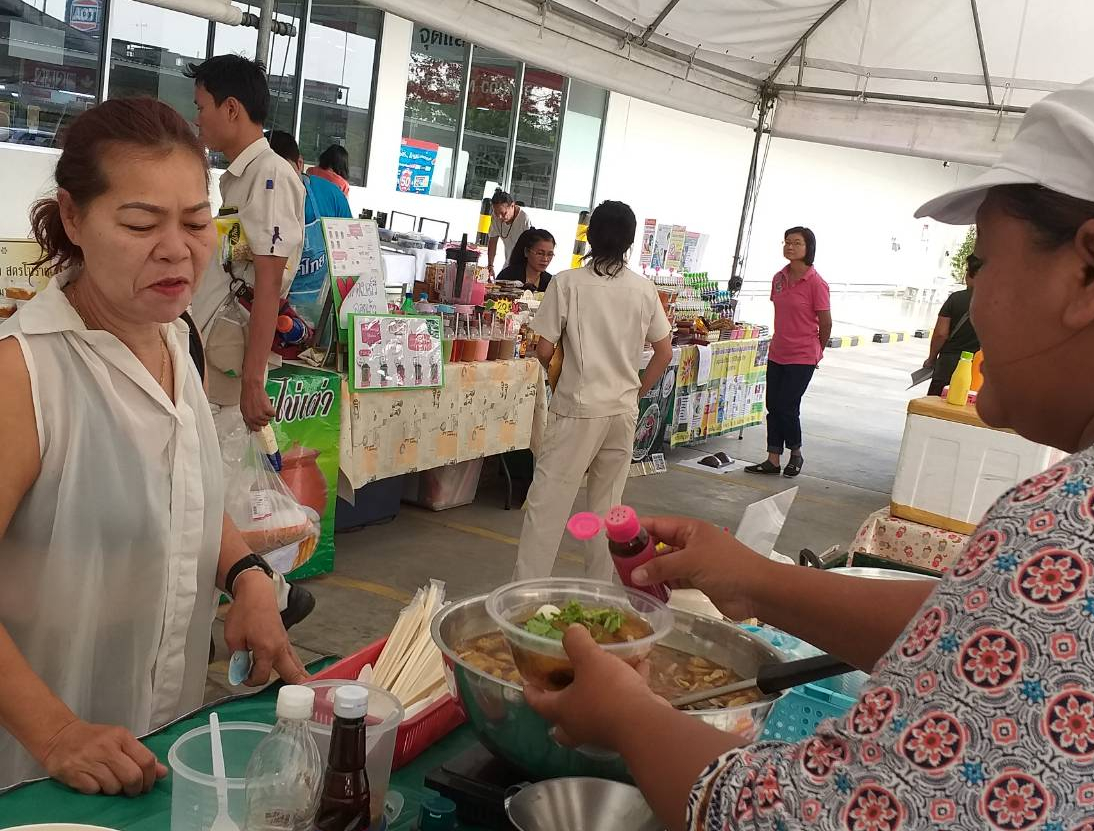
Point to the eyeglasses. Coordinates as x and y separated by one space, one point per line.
789 243
546 255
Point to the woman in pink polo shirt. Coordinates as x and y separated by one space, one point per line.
803 322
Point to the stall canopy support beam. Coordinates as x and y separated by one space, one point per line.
265 33
767 101
983 53
907 99
650 30
831 10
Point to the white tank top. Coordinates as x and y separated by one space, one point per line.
109 561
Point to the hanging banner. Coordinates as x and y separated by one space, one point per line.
307 424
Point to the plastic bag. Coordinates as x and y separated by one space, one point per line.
257 499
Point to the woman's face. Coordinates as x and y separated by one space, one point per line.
794 247
1034 316
541 254
147 239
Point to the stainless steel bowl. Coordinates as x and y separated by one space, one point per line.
510 729
577 804
880 573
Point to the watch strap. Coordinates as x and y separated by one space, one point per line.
244 564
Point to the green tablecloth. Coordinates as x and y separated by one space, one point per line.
52 802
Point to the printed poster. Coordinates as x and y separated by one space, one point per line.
307 424
354 257
17 283
674 258
655 413
417 160
660 246
649 233
395 352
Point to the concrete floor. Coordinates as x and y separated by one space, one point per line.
853 418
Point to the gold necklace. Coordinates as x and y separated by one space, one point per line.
164 355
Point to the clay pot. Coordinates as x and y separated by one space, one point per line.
300 472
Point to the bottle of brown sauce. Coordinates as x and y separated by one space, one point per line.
345 803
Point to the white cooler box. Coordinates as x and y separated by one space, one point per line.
953 467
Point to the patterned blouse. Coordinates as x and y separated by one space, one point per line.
981 715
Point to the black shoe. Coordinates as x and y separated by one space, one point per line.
301 604
764 467
794 466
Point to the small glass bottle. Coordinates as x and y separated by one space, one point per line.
345 803
285 770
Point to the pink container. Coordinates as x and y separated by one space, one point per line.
476 350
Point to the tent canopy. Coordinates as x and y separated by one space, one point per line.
940 78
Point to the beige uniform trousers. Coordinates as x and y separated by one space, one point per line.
571 447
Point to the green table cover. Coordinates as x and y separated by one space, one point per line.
49 801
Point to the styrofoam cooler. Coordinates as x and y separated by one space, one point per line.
445 487
952 466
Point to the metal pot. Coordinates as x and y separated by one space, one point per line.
512 730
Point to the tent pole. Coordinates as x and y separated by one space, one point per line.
831 10
767 100
907 99
983 53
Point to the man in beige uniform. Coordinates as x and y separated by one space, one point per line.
603 314
232 100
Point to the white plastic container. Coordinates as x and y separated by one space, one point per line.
952 467
193 789
385 713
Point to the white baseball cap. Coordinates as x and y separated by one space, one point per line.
1054 147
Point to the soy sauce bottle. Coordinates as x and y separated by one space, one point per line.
345 803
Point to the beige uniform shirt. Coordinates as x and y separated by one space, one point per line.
268 195
603 324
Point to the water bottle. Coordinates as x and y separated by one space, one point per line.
285 772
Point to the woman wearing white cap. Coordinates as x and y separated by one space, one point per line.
980 710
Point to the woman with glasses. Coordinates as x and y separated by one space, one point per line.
953 332
531 258
803 323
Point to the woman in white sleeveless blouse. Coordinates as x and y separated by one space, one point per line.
113 537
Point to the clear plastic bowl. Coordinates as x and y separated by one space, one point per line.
193 788
542 661
385 713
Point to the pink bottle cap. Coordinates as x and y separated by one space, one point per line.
584 526
622 524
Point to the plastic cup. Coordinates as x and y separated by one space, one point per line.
385 713
495 348
193 788
446 350
480 349
543 661
455 354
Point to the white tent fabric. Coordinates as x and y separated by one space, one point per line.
875 73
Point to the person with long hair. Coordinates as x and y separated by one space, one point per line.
334 167
979 712
531 258
603 314
113 533
509 223
803 324
953 331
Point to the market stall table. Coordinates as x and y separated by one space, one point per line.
49 801
483 409
903 543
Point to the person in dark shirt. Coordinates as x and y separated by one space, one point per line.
953 332
532 255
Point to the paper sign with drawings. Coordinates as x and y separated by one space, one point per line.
395 352
356 268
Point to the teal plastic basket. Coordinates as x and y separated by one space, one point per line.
797 714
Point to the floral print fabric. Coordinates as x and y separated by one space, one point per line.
981 715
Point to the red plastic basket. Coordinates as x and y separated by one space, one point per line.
414 735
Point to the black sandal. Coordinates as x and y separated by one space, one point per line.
764 467
794 466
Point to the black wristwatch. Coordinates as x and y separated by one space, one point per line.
242 565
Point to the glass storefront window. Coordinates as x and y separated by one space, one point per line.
150 49
579 150
49 66
537 137
241 40
435 78
339 62
487 123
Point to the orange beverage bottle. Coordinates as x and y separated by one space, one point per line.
977 373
